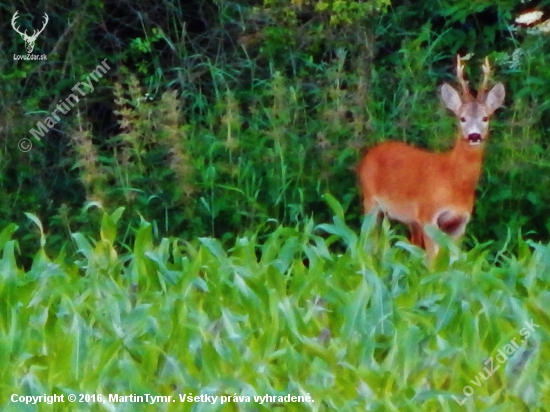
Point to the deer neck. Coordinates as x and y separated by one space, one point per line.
467 160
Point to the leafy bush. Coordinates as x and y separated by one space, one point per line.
240 113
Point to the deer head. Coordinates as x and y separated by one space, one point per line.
473 113
29 40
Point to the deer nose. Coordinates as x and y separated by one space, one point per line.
474 137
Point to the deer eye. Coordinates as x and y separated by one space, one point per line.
462 119
484 119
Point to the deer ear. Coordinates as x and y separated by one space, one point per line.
495 98
451 98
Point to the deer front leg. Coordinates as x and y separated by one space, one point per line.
417 234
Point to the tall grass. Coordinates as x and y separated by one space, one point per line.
366 329
213 133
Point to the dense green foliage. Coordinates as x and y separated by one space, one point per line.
368 329
217 155
270 108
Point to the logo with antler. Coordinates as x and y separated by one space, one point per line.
29 40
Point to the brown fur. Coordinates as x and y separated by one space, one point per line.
418 187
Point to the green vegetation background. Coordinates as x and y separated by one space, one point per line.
232 120
222 117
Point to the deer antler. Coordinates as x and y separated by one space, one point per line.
486 74
460 76
35 32
46 20
13 19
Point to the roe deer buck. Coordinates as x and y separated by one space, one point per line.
417 187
